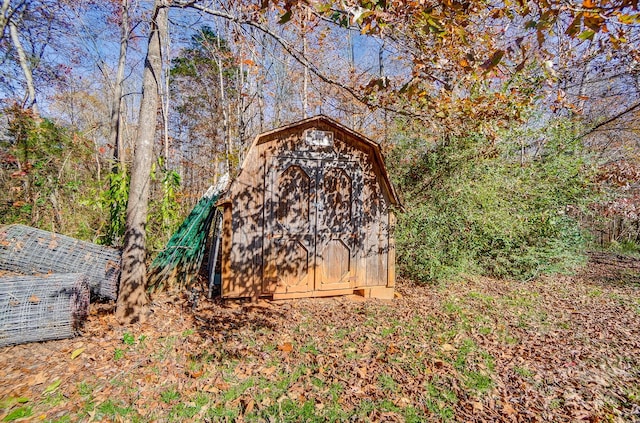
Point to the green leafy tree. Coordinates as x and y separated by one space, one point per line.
204 80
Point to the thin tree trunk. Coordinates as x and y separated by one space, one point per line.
5 15
352 72
115 133
132 298
166 99
383 76
260 84
223 103
305 82
24 64
240 106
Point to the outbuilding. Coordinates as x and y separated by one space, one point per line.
310 214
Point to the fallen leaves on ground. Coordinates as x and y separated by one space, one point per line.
563 348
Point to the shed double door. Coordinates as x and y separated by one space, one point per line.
312 219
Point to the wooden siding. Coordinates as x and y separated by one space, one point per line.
307 220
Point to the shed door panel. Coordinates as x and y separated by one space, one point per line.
312 211
336 232
290 227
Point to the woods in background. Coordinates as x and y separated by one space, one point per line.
510 128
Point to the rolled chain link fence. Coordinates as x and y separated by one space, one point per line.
30 251
42 308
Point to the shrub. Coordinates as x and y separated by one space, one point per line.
501 208
47 176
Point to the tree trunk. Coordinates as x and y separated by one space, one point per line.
132 298
24 64
260 84
115 133
5 13
225 111
240 110
305 80
165 96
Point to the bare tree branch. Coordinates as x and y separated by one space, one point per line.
611 119
296 55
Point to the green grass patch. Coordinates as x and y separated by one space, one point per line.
523 372
18 413
118 354
63 419
478 381
7 403
310 347
128 339
452 307
439 400
387 383
221 412
236 391
595 293
54 399
113 409
170 395
184 411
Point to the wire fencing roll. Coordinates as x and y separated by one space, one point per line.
30 251
42 308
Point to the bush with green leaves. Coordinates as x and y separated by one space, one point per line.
165 211
502 207
48 176
54 179
114 199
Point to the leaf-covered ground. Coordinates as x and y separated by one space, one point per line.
555 349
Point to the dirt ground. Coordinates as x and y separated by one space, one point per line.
562 348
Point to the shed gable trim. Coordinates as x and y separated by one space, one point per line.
377 152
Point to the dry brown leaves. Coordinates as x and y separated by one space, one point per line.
556 349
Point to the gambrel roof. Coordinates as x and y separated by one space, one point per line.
354 138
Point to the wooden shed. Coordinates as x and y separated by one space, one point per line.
309 215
